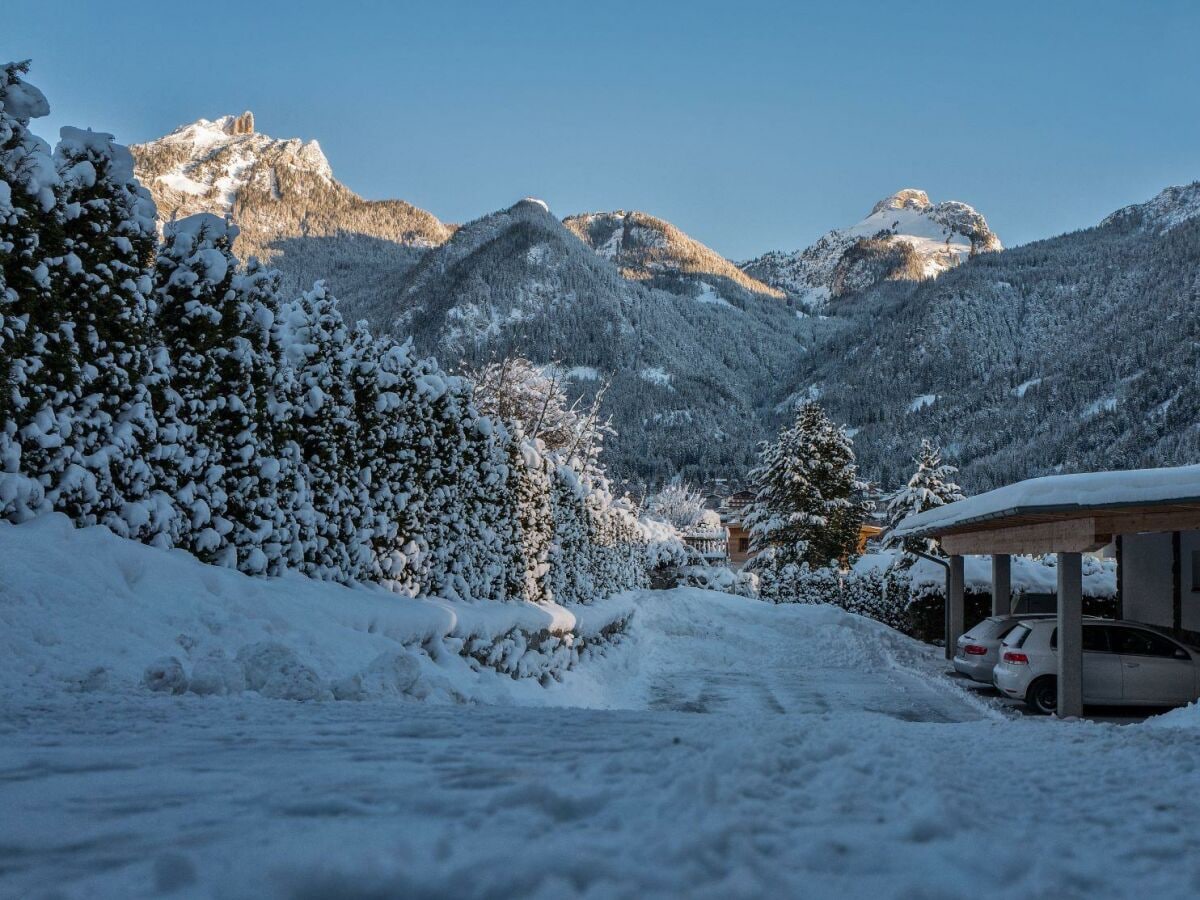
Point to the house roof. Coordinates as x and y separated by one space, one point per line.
1056 497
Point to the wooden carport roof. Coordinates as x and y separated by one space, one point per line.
1064 513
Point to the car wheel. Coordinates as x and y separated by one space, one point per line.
1042 695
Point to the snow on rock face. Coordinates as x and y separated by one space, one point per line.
292 211
216 160
656 375
646 248
919 403
1168 209
905 236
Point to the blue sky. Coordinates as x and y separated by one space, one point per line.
752 126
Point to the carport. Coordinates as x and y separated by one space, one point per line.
1070 515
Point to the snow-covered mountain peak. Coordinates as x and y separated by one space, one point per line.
214 160
290 208
905 236
910 216
909 198
211 131
529 209
1166 210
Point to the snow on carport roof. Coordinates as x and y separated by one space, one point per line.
1060 494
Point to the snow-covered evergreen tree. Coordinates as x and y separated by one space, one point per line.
194 298
931 485
242 487
445 563
272 503
487 507
103 283
572 566
807 505
531 520
408 388
395 444
36 387
318 347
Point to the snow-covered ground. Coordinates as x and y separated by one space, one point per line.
724 748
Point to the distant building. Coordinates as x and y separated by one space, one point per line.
867 533
732 510
711 543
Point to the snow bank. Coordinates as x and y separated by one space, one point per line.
757 751
1029 575
83 610
1186 717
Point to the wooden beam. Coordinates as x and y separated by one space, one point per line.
1137 521
1126 519
1067 536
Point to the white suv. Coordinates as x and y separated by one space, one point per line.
1124 664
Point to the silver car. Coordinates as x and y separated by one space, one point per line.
1124 664
978 651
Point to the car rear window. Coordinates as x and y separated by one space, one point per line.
1007 628
1017 636
982 631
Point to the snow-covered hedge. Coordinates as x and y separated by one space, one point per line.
175 396
880 595
720 578
912 599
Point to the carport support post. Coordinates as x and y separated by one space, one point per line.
1070 634
955 605
1001 584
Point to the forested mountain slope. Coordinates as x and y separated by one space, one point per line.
1078 352
693 378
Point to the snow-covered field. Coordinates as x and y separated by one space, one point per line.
724 748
